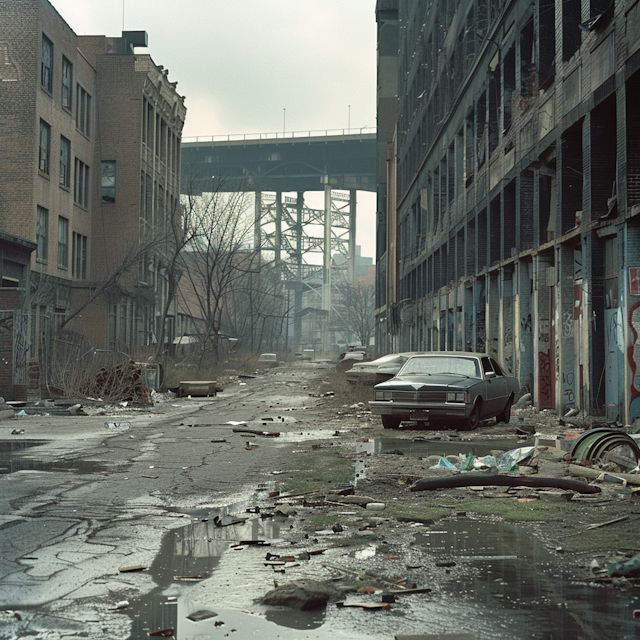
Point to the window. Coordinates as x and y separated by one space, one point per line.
45 144
63 242
79 257
12 274
83 111
42 234
81 184
46 64
65 162
67 83
108 181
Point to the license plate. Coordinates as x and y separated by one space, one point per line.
419 414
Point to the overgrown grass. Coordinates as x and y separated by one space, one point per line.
346 392
318 471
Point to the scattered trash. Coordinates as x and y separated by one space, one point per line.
504 462
76 409
123 604
256 432
17 432
228 520
375 506
593 474
365 605
600 444
22 412
608 522
117 425
626 568
135 567
146 476
189 578
476 479
197 616
164 633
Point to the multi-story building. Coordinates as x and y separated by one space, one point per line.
515 227
90 139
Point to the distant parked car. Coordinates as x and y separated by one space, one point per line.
379 370
268 359
458 388
348 358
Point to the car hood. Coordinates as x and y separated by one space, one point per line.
434 380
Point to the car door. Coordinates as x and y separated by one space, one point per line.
496 386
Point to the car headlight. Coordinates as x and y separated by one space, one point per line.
382 395
456 396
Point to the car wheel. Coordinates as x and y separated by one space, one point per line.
390 422
474 418
505 416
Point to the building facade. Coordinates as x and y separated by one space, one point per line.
90 133
515 225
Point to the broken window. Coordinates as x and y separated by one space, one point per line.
65 162
63 242
571 35
509 83
81 184
547 40
45 145
46 64
108 181
42 234
83 111
79 256
67 79
528 80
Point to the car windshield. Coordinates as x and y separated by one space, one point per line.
441 364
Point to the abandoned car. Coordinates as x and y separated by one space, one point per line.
456 388
375 371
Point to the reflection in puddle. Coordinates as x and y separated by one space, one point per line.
12 460
424 448
188 555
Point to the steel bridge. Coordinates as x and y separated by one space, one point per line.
337 163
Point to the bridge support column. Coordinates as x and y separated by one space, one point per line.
352 237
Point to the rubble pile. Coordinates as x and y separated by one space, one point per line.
124 381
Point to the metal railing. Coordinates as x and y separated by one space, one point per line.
281 135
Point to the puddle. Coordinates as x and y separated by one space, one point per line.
515 581
425 448
13 460
491 580
188 556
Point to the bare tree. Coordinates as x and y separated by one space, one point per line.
219 253
355 311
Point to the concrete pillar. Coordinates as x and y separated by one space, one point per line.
566 368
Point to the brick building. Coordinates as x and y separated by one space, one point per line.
90 133
516 161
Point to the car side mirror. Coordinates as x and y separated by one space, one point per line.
491 374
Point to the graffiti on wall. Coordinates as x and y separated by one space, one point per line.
546 366
568 380
633 356
567 324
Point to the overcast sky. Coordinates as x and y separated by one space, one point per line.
256 66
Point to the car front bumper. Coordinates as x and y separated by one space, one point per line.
435 411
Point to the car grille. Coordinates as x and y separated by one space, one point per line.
421 396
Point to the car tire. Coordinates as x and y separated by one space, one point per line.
505 416
474 418
390 422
